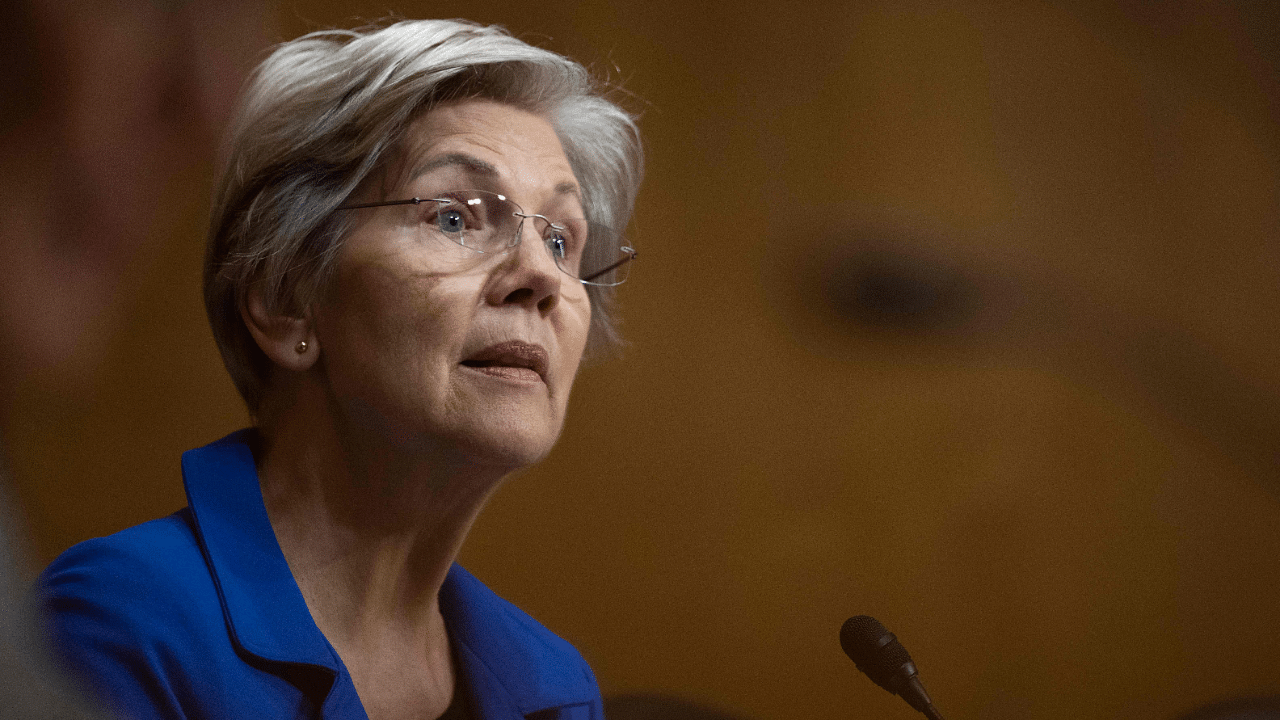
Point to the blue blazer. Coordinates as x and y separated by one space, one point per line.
196 615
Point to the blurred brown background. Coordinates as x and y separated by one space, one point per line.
959 314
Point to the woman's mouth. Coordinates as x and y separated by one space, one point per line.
511 360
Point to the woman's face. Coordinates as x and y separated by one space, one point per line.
434 347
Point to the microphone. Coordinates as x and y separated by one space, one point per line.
880 656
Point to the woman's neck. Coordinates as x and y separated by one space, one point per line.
368 527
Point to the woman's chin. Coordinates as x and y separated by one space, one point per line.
504 447
516 453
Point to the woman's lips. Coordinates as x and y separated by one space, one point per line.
512 360
507 372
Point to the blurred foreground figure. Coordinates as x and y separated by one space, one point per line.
99 105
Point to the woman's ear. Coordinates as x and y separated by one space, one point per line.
289 341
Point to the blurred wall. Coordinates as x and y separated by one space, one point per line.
959 314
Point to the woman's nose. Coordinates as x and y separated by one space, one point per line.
529 275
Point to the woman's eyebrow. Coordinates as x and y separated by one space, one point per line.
568 188
479 167
470 162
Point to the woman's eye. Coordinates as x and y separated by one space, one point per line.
450 221
557 245
563 244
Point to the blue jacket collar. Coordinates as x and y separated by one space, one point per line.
263 605
511 663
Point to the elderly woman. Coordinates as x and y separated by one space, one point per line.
414 240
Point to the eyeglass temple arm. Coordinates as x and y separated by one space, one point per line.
631 255
358 206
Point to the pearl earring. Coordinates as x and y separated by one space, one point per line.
301 347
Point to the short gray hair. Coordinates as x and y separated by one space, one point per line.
325 111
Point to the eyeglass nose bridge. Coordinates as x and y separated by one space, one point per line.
530 216
519 232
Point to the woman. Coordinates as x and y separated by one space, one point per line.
411 247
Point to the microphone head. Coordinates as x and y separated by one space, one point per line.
875 651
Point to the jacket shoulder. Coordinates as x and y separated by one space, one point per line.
139 570
131 613
537 668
